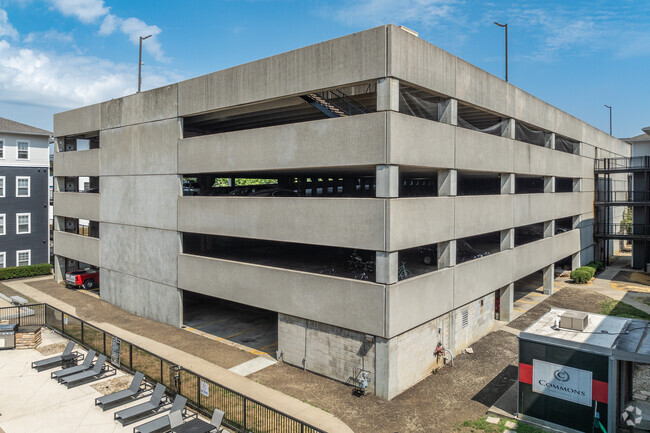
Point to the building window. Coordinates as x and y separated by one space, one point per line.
2 148
3 219
23 223
23 149
3 260
24 258
22 186
2 186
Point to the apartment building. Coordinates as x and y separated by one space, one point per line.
24 166
404 193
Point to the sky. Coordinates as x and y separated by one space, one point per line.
57 55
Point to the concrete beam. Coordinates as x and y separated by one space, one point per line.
446 254
77 205
448 111
77 163
549 184
387 181
447 183
507 298
549 279
386 267
507 183
507 239
77 247
387 94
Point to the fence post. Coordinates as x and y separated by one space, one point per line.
62 322
104 347
131 356
198 391
82 332
245 413
19 308
161 371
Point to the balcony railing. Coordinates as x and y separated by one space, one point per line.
623 231
623 164
622 196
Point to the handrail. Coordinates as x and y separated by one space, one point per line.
194 398
622 163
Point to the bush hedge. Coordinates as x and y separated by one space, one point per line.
586 273
25 271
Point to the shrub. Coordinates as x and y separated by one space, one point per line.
596 265
582 275
25 271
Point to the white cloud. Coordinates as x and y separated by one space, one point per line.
378 12
6 29
50 35
87 11
42 78
134 28
109 25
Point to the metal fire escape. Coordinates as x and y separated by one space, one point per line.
335 103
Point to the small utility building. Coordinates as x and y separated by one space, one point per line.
590 373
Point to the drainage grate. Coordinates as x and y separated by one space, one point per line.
465 319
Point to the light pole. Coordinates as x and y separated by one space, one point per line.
610 118
506 27
142 38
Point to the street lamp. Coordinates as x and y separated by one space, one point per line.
610 118
142 38
506 27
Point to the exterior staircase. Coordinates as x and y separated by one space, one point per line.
335 103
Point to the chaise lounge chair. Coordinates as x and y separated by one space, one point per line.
144 410
176 420
98 370
217 419
77 368
162 423
54 361
136 390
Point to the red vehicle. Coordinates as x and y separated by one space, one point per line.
86 278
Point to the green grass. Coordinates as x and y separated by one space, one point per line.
481 425
621 309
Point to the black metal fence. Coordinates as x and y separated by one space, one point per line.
242 414
623 164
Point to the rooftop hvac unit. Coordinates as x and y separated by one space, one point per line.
575 320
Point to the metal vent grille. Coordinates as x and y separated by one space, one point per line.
465 319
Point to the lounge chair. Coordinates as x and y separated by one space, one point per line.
54 361
99 370
136 389
162 423
77 368
217 419
153 406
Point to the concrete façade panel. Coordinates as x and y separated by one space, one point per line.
343 222
535 208
148 106
77 163
77 205
351 304
77 247
419 221
420 142
147 253
534 256
484 152
147 148
417 300
345 141
350 59
78 121
496 213
479 277
142 297
146 201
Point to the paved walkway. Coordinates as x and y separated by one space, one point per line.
275 399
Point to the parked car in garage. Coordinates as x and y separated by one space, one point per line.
85 278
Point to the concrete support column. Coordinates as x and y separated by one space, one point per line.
59 184
549 278
59 223
386 267
578 150
549 140
507 239
385 378
506 300
447 183
446 254
387 94
549 229
448 111
508 129
577 185
59 268
575 261
387 181
575 223
507 183
549 183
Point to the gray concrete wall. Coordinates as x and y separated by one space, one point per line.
77 205
342 142
78 121
142 297
480 315
148 106
77 163
480 277
324 349
77 247
346 303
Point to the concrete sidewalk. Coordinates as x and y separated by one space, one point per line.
275 399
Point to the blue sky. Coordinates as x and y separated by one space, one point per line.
577 55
